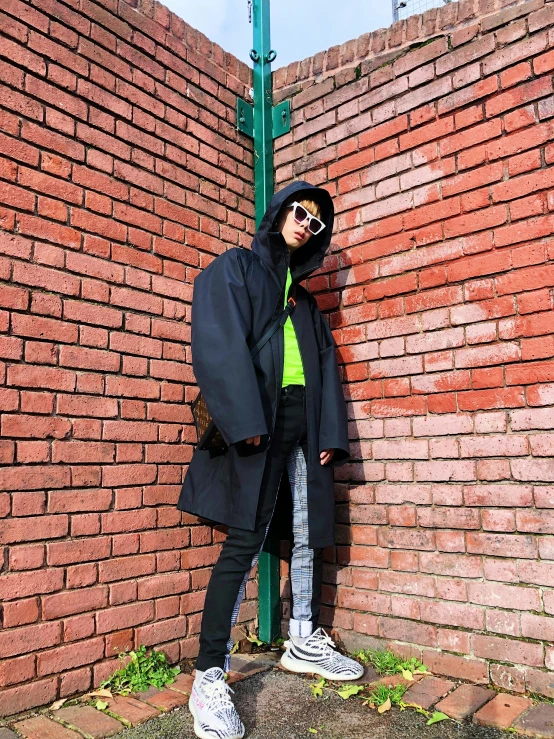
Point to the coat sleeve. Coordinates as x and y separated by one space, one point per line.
333 427
223 367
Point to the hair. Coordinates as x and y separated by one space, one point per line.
312 207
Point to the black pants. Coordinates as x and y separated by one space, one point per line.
288 450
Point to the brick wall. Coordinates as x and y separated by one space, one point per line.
122 175
437 148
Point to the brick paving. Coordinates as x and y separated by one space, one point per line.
182 684
166 699
130 709
89 721
427 692
40 727
502 711
539 722
495 711
464 701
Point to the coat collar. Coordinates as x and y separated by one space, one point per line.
271 246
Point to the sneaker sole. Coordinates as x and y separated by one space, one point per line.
199 731
297 665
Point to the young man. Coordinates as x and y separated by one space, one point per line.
282 410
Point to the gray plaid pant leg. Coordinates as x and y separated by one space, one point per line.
306 563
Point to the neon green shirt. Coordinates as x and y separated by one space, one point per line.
293 371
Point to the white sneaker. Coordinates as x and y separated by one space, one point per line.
317 655
212 708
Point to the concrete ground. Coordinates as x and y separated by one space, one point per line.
279 705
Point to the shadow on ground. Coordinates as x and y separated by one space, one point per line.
279 705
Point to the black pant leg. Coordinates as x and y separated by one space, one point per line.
241 548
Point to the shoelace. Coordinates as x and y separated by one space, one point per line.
322 638
217 693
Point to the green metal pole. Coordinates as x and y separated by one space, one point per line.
264 122
262 56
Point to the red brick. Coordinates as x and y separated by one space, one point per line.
457 667
182 684
94 359
30 638
508 678
487 399
51 378
537 722
464 701
17 529
492 469
17 670
401 629
500 545
163 631
133 711
164 700
427 692
124 616
126 567
451 564
89 720
41 727
69 656
64 604
453 614
22 697
21 612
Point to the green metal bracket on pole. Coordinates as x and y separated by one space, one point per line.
264 123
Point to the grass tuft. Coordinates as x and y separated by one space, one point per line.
389 663
382 693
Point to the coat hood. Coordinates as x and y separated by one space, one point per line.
271 246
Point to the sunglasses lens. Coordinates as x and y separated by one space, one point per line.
300 214
316 226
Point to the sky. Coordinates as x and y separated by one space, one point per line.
299 28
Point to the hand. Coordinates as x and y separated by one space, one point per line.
253 440
326 455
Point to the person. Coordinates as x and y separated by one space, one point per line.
281 410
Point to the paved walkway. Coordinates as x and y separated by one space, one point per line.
275 704
278 705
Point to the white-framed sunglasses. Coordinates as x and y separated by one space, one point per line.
300 214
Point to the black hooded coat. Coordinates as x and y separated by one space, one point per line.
235 300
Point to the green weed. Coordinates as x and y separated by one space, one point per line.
540 698
389 663
140 672
383 695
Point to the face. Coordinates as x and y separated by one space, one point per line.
295 234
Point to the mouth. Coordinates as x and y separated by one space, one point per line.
299 236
